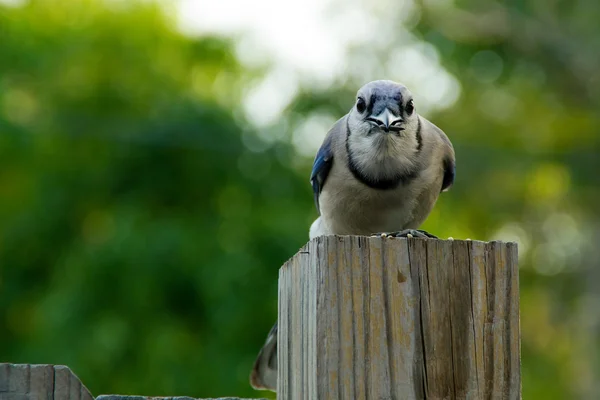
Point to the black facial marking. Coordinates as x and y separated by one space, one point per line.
419 137
372 101
398 102
378 101
347 130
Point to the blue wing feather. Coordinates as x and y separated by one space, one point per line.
449 173
321 168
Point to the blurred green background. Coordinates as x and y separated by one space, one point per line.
153 177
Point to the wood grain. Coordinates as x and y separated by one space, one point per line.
119 397
392 318
40 382
56 382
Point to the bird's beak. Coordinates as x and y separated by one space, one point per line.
387 121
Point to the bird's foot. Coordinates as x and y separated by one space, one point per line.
407 233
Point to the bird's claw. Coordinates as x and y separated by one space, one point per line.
407 233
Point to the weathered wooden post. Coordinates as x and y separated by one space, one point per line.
40 382
390 318
56 382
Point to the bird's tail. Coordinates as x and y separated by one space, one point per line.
264 371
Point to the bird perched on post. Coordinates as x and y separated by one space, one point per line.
379 171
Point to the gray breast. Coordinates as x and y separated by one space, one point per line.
350 207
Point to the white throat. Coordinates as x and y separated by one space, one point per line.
382 155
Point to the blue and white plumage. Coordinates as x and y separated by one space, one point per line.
380 169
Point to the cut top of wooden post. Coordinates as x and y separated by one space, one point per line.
40 382
56 382
393 318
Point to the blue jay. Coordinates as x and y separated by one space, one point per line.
379 171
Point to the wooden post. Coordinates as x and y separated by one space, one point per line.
37 382
55 382
391 318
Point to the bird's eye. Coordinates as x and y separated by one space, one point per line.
410 107
361 105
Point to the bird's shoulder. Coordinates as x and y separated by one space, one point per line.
442 151
325 157
435 134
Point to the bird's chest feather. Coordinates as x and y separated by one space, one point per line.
350 207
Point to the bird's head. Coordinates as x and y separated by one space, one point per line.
383 109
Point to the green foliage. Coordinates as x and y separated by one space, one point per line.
139 239
140 236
